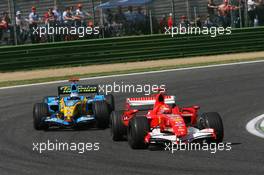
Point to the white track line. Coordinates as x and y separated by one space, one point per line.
253 128
140 73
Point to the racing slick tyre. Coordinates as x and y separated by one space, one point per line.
212 120
117 128
101 112
138 128
111 102
40 112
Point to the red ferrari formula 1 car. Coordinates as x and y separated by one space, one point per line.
157 119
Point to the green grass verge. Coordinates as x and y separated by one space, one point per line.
42 80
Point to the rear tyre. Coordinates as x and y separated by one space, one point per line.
117 128
111 102
40 112
138 128
101 113
212 120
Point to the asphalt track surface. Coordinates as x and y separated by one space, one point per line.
236 92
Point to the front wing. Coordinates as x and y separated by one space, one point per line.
155 136
53 120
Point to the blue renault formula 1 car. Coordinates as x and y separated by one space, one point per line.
70 109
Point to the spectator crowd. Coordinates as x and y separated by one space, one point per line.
128 23
225 11
222 15
24 27
133 21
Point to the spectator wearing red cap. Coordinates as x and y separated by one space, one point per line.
224 13
33 16
79 15
49 17
184 22
4 21
4 25
34 19
170 21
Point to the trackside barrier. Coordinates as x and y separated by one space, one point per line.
127 49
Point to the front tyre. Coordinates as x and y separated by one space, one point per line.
40 112
138 128
212 120
101 112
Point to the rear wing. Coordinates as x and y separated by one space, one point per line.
82 89
144 101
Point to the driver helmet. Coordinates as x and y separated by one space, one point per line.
74 91
74 94
165 109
